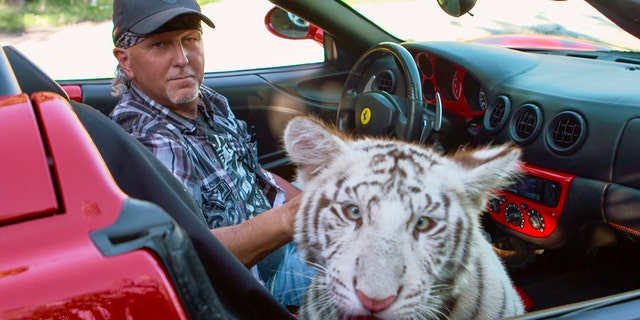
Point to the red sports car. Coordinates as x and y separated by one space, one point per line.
93 227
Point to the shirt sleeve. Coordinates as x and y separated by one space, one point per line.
274 193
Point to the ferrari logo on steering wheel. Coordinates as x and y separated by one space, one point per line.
365 116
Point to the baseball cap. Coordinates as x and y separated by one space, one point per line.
145 16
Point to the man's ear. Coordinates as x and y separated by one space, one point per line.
123 61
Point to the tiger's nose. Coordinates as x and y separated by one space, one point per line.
374 305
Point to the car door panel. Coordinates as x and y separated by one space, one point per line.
269 98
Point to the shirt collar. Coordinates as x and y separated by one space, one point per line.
161 112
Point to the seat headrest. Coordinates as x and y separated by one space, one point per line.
8 83
30 77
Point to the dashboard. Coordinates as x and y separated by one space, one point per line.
576 116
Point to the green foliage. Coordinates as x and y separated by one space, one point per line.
17 16
11 19
65 12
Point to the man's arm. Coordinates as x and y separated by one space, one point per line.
251 240
256 238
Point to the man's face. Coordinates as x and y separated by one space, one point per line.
168 67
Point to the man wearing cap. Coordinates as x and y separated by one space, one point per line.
192 130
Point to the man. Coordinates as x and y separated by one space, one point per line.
192 130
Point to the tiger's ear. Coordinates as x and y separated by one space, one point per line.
488 169
311 145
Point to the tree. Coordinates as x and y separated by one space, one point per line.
15 3
11 16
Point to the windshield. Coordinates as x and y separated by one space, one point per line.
82 49
424 20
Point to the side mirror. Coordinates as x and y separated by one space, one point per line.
289 26
456 8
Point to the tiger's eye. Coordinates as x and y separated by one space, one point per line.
424 224
352 212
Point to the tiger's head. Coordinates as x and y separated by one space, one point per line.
388 223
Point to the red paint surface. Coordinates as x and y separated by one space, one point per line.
550 215
49 267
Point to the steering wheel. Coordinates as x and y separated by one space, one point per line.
378 112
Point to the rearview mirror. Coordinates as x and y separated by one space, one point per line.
289 26
456 8
286 25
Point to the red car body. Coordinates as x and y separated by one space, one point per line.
50 266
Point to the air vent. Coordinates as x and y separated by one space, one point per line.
566 132
386 81
425 65
497 114
525 124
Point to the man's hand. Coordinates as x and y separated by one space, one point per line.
254 239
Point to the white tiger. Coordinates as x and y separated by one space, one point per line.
394 228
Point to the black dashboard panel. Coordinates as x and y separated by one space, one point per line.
573 113
602 97
601 93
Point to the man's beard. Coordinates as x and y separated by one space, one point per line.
180 98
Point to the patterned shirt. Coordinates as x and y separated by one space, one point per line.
213 156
